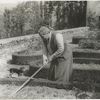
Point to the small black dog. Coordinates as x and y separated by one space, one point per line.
17 71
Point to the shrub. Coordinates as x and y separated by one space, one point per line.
89 44
98 35
92 41
94 35
35 44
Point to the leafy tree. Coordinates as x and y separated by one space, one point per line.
7 22
23 14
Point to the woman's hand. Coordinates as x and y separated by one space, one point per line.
50 58
45 60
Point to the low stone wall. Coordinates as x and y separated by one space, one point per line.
75 31
10 42
68 33
22 58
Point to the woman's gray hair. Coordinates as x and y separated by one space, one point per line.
44 30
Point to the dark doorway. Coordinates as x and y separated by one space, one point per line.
77 15
69 14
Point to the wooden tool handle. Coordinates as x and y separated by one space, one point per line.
27 81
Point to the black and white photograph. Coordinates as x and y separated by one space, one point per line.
49 49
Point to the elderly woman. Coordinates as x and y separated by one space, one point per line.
56 51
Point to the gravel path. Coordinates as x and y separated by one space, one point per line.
37 92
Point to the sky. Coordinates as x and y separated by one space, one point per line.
12 1
16 1
9 4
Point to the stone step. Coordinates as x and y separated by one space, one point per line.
86 60
86 53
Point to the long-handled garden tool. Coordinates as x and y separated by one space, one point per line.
26 82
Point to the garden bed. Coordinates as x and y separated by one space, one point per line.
25 57
76 39
35 82
79 56
84 75
79 76
86 56
87 85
